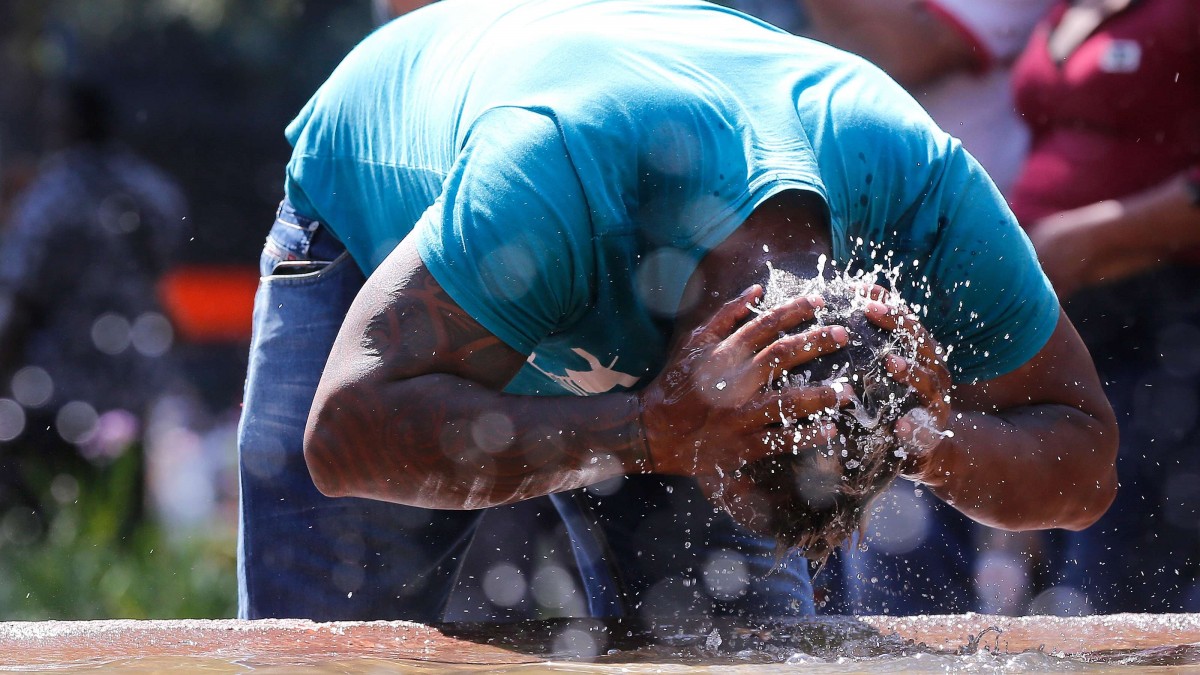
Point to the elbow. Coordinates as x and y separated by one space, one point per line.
1107 495
1098 494
1094 505
322 443
323 475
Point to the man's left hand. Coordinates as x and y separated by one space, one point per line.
921 429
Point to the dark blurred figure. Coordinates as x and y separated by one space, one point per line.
84 344
1110 196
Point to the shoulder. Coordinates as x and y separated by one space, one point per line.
872 125
525 131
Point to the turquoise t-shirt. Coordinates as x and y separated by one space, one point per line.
564 164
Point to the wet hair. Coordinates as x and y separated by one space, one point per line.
816 498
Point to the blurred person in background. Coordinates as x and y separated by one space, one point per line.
84 344
1110 196
954 56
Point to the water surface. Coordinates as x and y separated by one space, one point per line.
966 643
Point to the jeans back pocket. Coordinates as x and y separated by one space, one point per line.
289 248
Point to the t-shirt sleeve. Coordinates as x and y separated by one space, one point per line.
912 201
1000 28
510 239
989 293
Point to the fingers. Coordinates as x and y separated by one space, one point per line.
766 328
892 317
931 384
792 351
726 319
929 374
918 433
874 292
796 405
898 318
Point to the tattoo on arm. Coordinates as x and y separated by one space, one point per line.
430 427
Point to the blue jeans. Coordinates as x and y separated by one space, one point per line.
301 554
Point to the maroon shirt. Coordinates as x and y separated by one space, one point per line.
1121 115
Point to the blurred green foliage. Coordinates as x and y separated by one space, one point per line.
204 89
92 555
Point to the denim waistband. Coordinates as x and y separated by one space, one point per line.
303 238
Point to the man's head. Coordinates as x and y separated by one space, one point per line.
809 499
815 498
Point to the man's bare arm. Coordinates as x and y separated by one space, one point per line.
409 407
1035 448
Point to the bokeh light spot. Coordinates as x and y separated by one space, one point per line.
152 334
1001 581
64 488
32 386
899 522
671 598
505 585
264 459
578 640
348 577
509 272
21 526
725 574
1061 601
12 419
76 422
492 432
553 587
658 278
111 333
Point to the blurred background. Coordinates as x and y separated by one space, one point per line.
200 89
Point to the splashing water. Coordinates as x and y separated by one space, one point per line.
876 400
816 494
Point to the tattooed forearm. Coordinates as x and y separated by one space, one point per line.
409 410
440 441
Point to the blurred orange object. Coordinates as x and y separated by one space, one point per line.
210 303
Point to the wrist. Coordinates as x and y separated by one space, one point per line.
641 458
928 466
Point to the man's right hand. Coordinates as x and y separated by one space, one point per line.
712 409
